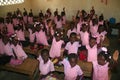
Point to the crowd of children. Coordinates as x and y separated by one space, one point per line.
82 40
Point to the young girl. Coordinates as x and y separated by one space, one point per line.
101 33
84 35
30 17
92 50
72 71
45 66
72 45
41 37
102 65
59 22
7 46
17 49
32 34
72 29
57 43
82 52
63 16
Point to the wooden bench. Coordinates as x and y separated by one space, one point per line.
28 67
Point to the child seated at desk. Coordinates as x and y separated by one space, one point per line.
46 67
72 71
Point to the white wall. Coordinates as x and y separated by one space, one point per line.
112 9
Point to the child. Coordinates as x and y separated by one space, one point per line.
17 49
45 66
72 29
84 35
32 34
72 45
101 34
41 37
10 28
102 65
63 16
92 50
25 16
71 70
59 22
30 17
82 52
55 50
7 47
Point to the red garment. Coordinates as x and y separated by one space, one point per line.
82 55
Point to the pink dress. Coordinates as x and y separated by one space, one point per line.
55 50
20 34
84 37
72 48
102 34
70 31
15 21
30 20
63 20
31 35
79 25
100 72
71 73
41 37
93 30
59 24
19 52
10 28
92 53
8 50
25 19
45 68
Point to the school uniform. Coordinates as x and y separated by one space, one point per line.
55 50
19 52
59 24
100 72
79 25
72 48
70 31
71 73
84 37
98 35
20 34
30 20
25 19
8 50
41 37
93 30
10 28
92 53
63 20
31 36
45 68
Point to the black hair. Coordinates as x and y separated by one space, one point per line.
82 48
94 38
44 51
73 34
106 55
72 55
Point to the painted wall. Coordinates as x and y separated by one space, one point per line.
112 9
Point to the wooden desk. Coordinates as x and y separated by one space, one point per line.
32 52
28 67
85 66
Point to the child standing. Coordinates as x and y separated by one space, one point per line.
84 35
92 50
72 71
45 66
102 65
55 50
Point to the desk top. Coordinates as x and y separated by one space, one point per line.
27 67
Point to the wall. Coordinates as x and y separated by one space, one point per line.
112 9
12 8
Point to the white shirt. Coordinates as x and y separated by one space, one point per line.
72 48
45 68
71 73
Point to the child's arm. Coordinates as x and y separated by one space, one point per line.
114 61
79 77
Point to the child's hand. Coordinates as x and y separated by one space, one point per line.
115 55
